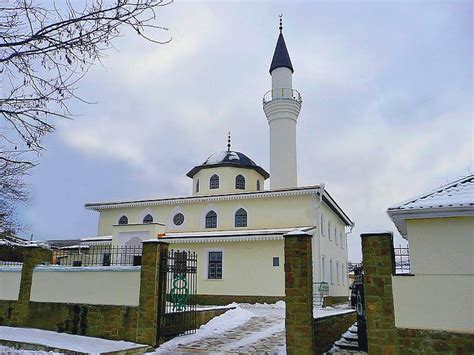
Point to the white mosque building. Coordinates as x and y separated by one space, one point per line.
235 226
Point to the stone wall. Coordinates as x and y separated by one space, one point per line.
329 329
411 341
383 336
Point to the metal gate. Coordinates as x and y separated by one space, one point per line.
179 272
358 289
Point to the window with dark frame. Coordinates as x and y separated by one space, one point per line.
197 186
240 182
276 261
241 218
178 219
214 270
148 219
214 182
258 185
123 220
211 219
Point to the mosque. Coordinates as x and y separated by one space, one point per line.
235 226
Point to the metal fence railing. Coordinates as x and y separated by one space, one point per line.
10 263
101 255
320 290
402 260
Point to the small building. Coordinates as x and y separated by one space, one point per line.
438 294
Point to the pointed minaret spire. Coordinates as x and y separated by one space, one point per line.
228 141
281 58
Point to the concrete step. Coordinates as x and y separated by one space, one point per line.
347 345
349 336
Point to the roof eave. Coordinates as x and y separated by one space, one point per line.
257 168
400 216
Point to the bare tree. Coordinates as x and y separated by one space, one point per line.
45 50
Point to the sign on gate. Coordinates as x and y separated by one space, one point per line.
179 270
358 289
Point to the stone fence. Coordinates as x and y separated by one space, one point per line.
113 303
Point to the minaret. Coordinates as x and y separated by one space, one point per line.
282 106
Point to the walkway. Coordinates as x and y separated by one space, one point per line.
263 331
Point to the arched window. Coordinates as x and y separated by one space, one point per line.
148 219
258 185
211 219
197 186
241 218
240 182
123 220
214 182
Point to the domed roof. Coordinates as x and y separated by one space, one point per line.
229 158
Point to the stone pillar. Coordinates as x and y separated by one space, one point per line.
379 265
152 292
32 256
299 293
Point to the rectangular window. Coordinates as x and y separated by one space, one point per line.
276 261
323 269
343 274
330 272
322 225
329 230
342 239
337 273
336 236
214 270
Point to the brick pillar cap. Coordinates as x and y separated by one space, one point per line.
154 241
299 232
377 234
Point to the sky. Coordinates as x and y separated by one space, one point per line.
387 107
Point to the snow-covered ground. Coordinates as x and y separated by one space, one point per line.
70 342
330 311
11 351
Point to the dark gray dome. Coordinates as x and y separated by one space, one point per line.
229 158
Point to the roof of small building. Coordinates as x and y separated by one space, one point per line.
451 200
229 158
458 193
281 58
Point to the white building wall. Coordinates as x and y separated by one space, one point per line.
440 295
10 278
105 286
436 302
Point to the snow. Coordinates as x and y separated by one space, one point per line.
331 311
218 325
53 267
277 305
459 193
12 351
65 341
216 158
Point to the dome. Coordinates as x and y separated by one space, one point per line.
229 158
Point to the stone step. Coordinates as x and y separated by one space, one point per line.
353 329
349 336
347 345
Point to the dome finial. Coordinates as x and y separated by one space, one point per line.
281 23
228 141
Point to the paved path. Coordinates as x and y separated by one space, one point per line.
263 334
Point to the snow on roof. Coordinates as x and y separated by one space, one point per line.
459 193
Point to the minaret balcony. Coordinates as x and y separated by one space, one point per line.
282 94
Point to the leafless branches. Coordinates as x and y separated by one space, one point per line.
45 50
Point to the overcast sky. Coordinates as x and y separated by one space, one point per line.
387 110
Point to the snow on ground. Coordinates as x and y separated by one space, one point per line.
218 325
330 311
65 341
11 351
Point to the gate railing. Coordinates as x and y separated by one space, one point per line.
402 260
320 290
179 269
